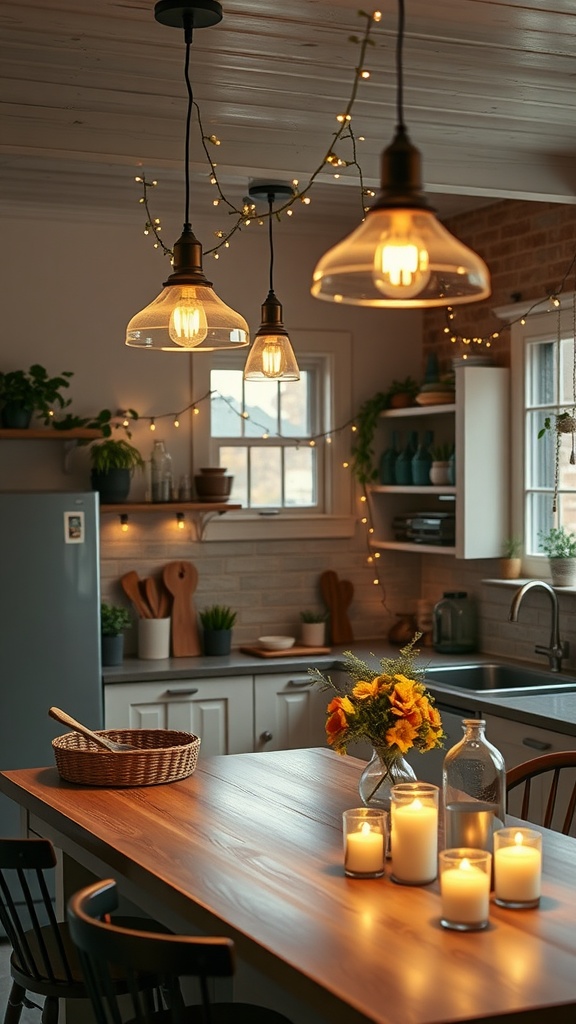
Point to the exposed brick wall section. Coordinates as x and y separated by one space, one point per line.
528 248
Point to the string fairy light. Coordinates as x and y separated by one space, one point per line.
343 134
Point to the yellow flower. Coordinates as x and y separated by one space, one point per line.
365 691
402 734
403 696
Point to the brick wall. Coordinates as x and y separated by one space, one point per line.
528 248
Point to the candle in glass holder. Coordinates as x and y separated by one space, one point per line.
465 888
517 867
364 842
414 832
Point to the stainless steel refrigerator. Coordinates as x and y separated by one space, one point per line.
49 626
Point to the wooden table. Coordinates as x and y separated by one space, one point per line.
251 846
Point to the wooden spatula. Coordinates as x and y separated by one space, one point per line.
152 596
180 579
130 585
102 741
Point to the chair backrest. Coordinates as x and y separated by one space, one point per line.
26 908
549 790
105 948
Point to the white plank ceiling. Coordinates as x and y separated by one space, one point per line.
92 91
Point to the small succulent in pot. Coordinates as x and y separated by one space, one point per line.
217 616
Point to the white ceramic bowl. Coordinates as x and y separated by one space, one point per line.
276 643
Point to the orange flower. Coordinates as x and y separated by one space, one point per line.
364 691
402 734
337 723
403 697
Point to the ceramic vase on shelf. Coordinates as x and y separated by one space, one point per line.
387 471
403 465
422 461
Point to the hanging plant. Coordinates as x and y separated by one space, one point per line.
366 422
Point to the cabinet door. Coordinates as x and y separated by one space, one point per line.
219 710
518 742
290 712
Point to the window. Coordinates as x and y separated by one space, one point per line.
262 432
282 443
542 374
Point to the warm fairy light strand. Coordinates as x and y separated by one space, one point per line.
247 213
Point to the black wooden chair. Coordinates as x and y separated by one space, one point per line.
559 789
44 960
104 946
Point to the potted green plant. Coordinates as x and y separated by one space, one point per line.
217 622
114 619
559 545
113 463
440 468
400 392
313 628
511 560
24 392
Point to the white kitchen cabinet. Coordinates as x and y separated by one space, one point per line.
289 712
478 424
219 710
518 742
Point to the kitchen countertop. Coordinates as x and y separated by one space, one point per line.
555 711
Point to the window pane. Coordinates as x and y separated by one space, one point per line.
300 476
295 407
539 519
541 382
566 372
540 452
225 411
265 477
236 462
261 404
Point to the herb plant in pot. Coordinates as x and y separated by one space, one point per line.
24 392
313 628
511 561
113 463
560 547
217 622
113 621
440 468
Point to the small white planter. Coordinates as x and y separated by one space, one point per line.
312 634
440 473
563 571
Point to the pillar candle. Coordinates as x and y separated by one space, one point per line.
414 842
465 894
364 851
517 871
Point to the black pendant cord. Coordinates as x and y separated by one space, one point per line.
270 238
399 69
188 40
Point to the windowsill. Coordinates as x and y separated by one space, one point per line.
282 526
526 579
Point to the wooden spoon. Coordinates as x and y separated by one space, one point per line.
152 596
102 741
130 585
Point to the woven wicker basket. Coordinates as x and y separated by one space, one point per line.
163 755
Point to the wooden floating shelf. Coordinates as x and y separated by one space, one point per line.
171 506
38 434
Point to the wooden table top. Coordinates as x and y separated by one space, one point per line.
251 845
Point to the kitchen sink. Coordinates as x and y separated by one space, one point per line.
497 677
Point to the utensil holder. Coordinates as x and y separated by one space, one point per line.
153 638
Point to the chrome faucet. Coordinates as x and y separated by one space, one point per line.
557 650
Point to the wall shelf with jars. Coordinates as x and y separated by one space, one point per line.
467 517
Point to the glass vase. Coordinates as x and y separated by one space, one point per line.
384 770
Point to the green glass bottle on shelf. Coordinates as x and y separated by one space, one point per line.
403 465
386 469
422 461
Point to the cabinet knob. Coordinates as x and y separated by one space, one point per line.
529 741
266 736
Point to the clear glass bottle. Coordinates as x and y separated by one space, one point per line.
161 469
473 789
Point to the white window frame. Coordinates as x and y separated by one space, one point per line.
540 323
333 350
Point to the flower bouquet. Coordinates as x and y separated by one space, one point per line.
391 708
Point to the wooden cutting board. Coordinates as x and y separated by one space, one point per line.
290 652
337 595
180 579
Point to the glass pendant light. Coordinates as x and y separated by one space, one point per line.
271 356
401 255
187 316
